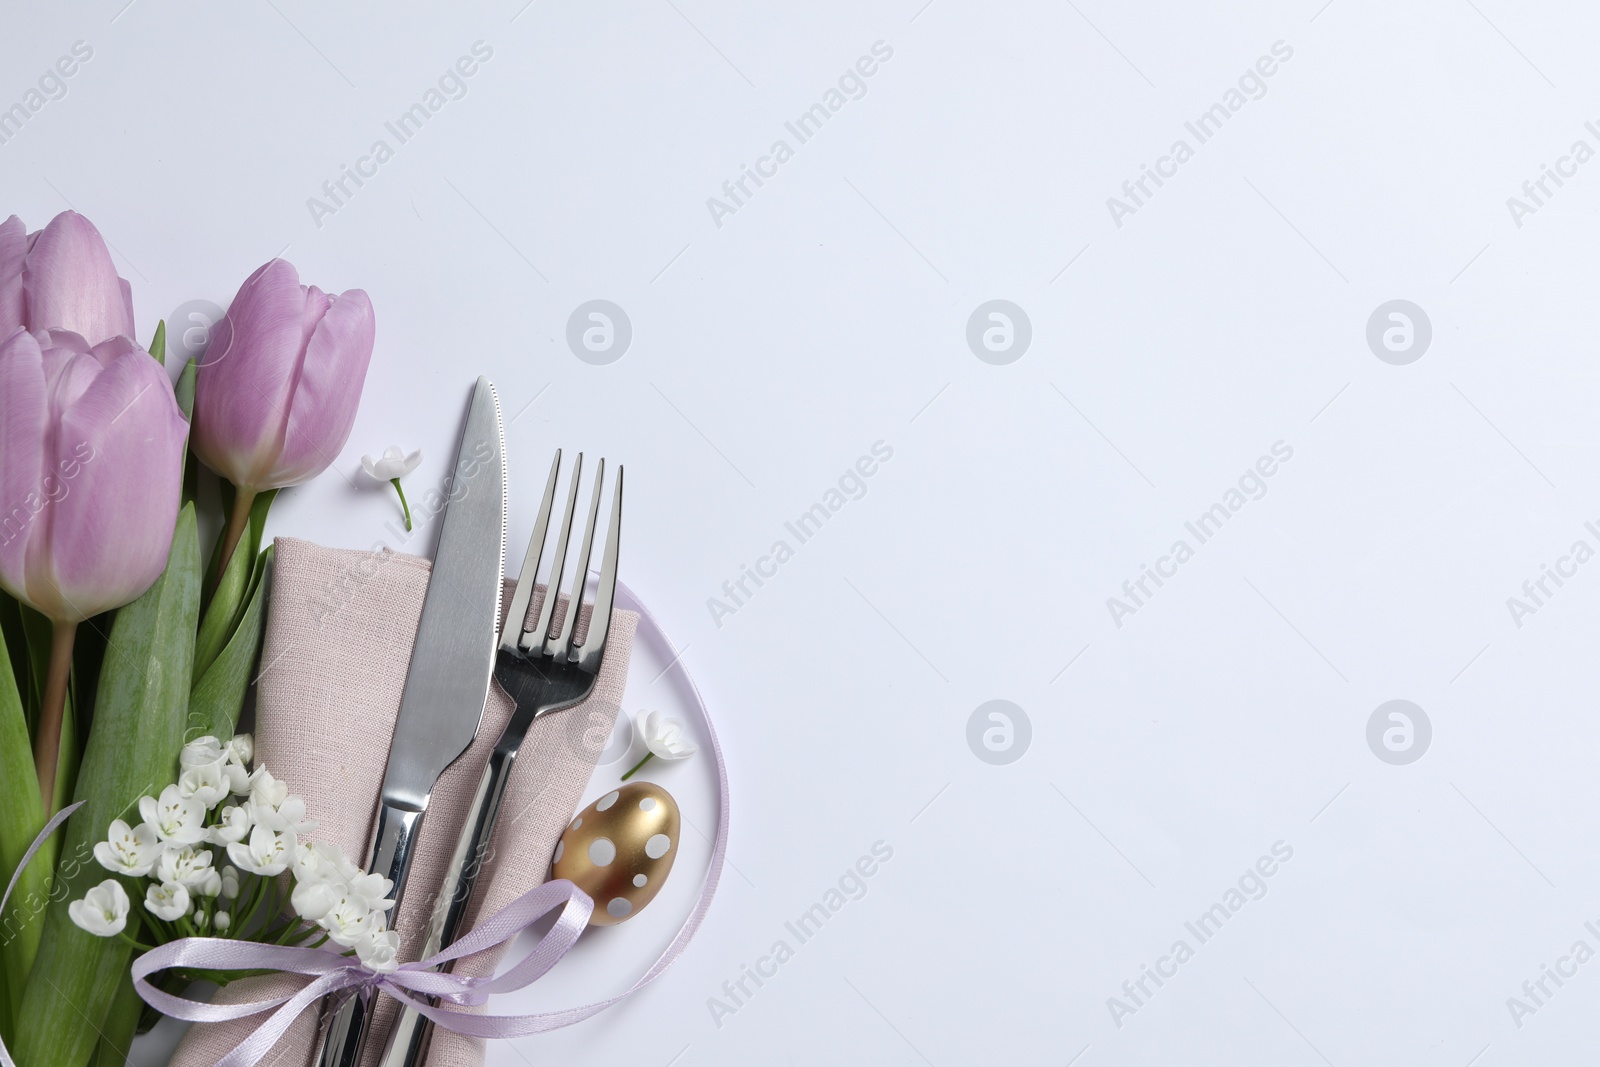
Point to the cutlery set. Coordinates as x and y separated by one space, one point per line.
460 645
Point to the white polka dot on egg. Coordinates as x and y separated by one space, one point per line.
647 804
602 851
619 907
657 846
606 801
561 846
641 880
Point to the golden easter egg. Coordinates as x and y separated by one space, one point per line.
620 849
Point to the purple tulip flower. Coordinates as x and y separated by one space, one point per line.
91 469
278 387
62 278
91 472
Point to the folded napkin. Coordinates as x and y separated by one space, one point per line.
339 634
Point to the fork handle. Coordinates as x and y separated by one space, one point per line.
409 1034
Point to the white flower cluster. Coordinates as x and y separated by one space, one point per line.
219 808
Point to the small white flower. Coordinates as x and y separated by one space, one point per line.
199 917
187 866
176 818
320 861
224 920
371 891
394 463
230 882
267 853
103 911
288 814
265 790
663 736
242 748
169 900
379 950
205 783
237 776
211 884
200 751
129 851
312 900
235 825
348 922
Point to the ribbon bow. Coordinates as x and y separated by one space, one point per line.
335 973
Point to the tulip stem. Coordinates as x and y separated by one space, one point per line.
648 756
403 505
47 744
243 500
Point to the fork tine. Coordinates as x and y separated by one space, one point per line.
536 638
580 573
511 629
594 645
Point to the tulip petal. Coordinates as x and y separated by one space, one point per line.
24 412
323 409
70 282
13 252
243 387
118 464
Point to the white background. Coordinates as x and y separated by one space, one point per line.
1167 354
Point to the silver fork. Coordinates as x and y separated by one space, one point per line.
541 674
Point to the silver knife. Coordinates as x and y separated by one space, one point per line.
448 680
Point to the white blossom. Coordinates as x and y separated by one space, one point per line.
320 861
230 882
187 866
266 790
211 884
169 900
103 911
347 922
201 752
287 814
394 463
224 920
177 819
313 900
204 783
129 851
379 950
663 736
234 826
267 853
371 891
242 748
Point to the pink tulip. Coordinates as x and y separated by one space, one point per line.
277 390
61 277
91 469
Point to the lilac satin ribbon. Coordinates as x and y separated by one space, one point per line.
333 973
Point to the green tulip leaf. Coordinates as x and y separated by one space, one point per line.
158 343
140 722
24 817
184 390
219 694
230 600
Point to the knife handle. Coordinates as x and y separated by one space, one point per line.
392 845
410 1032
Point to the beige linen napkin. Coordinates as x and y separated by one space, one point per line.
339 634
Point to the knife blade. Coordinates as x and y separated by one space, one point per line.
447 681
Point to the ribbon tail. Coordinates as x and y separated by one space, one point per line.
27 857
255 1047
